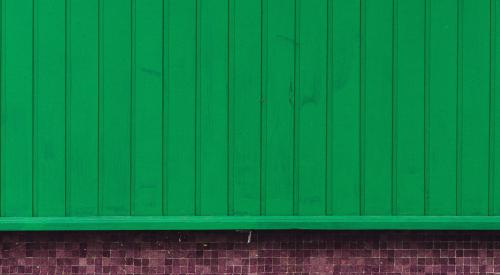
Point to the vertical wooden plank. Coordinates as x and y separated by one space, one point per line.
345 96
410 107
49 107
148 108
492 146
82 107
496 104
278 96
17 99
378 107
213 107
245 93
475 117
311 108
442 107
115 107
460 63
2 105
179 106
329 111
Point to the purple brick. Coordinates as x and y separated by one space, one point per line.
270 252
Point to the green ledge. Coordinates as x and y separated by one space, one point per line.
252 222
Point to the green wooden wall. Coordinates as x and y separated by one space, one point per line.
222 114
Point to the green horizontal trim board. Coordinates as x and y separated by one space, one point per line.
252 223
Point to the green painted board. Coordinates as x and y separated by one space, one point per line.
244 107
147 108
494 180
475 104
378 109
49 109
212 120
344 96
17 108
242 114
179 102
441 102
82 108
409 107
278 96
310 108
115 104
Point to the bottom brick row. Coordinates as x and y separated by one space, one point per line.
257 252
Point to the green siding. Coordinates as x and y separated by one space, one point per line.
270 114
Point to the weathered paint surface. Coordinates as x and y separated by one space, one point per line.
255 108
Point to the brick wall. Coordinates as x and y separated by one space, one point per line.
271 252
